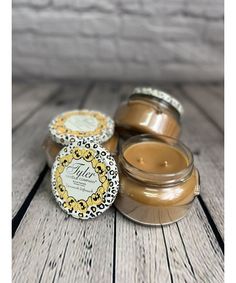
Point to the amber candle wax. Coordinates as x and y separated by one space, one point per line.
155 157
149 111
158 181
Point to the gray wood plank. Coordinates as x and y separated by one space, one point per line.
28 157
206 99
105 97
183 252
206 141
218 89
140 253
192 247
19 88
49 246
68 250
30 101
175 253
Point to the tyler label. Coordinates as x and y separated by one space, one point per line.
80 179
81 123
84 179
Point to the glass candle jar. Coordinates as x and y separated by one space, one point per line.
158 180
51 148
149 111
71 126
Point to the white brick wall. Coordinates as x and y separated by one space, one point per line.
177 40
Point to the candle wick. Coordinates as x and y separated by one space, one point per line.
165 164
140 160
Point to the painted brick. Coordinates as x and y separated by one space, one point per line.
175 40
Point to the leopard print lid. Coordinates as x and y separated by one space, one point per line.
81 124
84 179
160 95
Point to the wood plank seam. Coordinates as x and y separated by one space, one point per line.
21 212
200 108
19 92
122 97
185 250
200 199
184 242
50 98
168 249
212 223
89 89
167 255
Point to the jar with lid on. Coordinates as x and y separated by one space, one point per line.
149 111
158 180
71 126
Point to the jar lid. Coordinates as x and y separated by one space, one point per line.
81 124
161 95
84 179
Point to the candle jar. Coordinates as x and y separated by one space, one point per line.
149 111
156 198
74 125
52 148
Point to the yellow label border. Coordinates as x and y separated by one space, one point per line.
70 203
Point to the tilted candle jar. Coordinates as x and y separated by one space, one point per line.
158 180
149 111
71 126
51 148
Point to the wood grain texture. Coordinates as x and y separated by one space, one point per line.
30 101
206 143
19 88
104 97
218 89
69 250
205 97
192 247
180 252
49 246
178 265
28 157
140 253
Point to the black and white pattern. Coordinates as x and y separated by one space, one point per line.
65 138
161 95
102 155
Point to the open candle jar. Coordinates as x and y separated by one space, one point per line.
158 180
149 111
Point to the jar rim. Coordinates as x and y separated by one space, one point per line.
163 178
159 94
159 100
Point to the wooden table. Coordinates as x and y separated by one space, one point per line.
49 246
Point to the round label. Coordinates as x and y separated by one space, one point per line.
85 179
81 124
